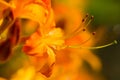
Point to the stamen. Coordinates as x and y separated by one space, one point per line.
91 19
78 46
78 29
87 15
88 39
93 33
82 23
75 32
84 30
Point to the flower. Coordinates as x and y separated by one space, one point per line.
42 45
11 14
28 9
50 44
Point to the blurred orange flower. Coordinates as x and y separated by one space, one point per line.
56 50
28 8
42 45
10 15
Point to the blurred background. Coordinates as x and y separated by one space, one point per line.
106 24
107 15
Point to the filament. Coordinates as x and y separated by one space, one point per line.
91 18
78 29
98 47
88 39
83 21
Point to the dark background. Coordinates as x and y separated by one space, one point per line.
107 13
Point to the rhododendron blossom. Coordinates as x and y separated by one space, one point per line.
52 49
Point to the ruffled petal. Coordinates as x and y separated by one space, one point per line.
31 11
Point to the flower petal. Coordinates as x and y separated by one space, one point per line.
34 12
51 56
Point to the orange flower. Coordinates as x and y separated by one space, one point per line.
42 45
10 14
40 48
28 9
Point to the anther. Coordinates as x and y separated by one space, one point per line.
115 42
86 20
93 33
83 20
84 30
87 15
92 17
